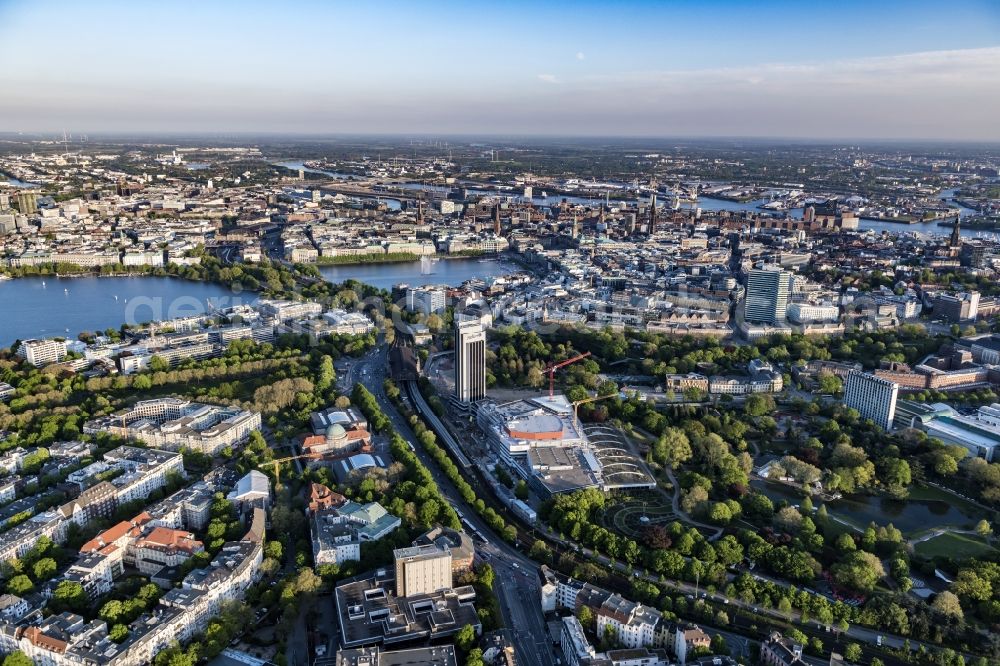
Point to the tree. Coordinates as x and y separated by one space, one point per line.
325 375
273 549
70 595
17 658
112 611
759 404
307 582
486 576
983 528
44 569
852 652
944 464
947 603
521 490
858 570
896 474
845 543
586 617
118 633
465 639
672 448
475 658
540 552
158 364
20 585
829 383
788 519
970 585
719 645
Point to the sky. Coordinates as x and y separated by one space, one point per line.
821 69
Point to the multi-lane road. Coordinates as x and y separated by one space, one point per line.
517 577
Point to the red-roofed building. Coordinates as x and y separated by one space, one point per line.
321 497
121 535
164 547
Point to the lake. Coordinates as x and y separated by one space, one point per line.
451 272
909 515
35 307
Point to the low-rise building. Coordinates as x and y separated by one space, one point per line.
338 532
780 651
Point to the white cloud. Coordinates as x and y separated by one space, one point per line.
548 78
580 55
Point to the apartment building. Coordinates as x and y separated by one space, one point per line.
174 423
42 352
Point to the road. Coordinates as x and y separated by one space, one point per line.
522 612
517 576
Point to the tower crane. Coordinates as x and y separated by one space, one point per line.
595 398
277 462
552 367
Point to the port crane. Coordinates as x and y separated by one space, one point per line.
551 368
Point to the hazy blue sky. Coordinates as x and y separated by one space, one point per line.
803 68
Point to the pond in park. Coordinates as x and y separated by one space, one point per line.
927 509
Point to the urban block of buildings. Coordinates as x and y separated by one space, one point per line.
176 423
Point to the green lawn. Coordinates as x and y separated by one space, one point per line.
959 546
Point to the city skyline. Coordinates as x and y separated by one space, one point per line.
721 69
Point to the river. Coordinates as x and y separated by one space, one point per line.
451 272
21 183
392 204
705 203
35 307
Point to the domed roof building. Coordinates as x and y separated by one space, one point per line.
336 436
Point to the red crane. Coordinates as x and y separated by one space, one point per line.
552 367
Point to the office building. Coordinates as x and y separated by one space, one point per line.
956 307
27 202
767 295
422 570
973 254
369 613
425 300
873 397
42 352
285 310
470 361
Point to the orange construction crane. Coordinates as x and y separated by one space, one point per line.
552 367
